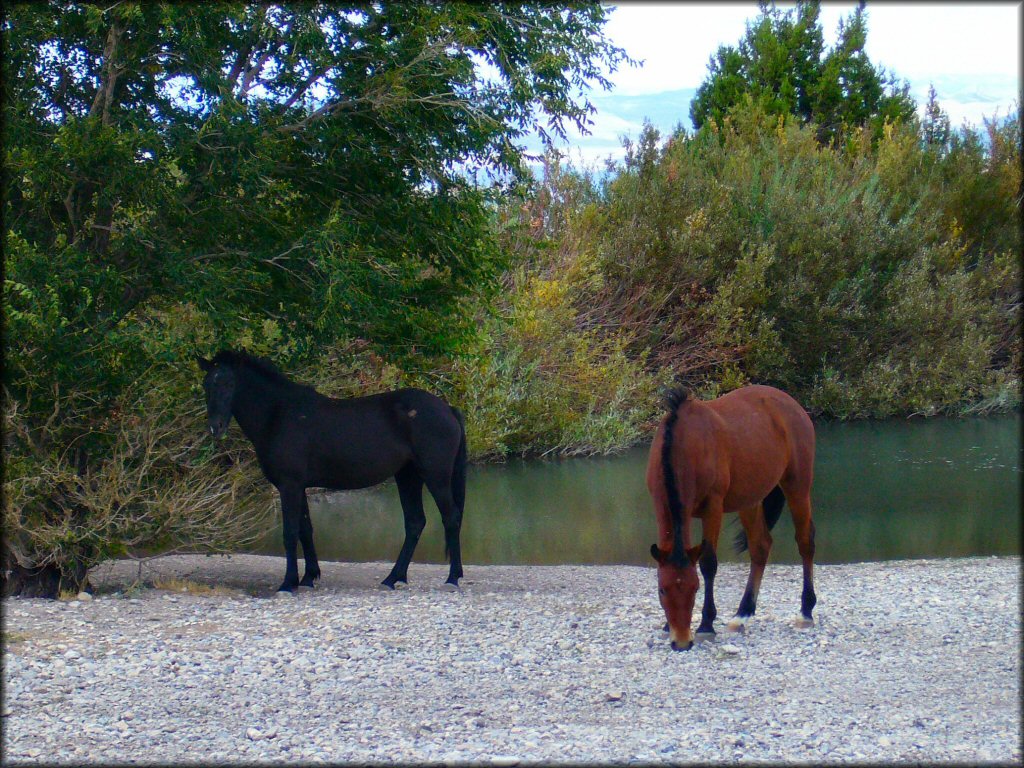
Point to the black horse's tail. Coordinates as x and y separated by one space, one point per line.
673 399
772 506
459 472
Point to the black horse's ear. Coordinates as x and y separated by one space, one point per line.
205 364
657 554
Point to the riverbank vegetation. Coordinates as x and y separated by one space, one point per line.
339 190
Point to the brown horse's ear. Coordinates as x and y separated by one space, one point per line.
205 364
657 554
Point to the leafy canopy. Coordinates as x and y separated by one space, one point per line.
782 66
289 173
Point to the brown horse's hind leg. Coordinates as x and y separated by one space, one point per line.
800 506
759 542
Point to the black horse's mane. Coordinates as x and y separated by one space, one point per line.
238 359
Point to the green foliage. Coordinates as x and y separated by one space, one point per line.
290 178
868 279
781 66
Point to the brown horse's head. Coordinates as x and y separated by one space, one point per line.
677 590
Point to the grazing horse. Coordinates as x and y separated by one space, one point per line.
306 440
748 451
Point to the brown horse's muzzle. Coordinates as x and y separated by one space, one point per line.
680 640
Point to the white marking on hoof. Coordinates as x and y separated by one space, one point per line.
412 414
802 622
449 587
738 624
282 595
704 637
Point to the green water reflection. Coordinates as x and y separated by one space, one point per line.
883 490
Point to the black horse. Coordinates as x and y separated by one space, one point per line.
306 440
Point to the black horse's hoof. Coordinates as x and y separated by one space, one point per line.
284 591
308 582
451 586
677 647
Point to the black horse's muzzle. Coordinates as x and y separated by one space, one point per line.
218 427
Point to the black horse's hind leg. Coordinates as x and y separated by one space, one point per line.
308 550
451 516
291 518
410 492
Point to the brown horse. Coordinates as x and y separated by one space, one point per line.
733 454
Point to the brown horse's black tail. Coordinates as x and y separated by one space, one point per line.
459 473
772 506
673 399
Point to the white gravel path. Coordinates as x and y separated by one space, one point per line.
915 661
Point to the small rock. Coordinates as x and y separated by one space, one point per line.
613 696
84 597
253 734
730 648
884 741
72 654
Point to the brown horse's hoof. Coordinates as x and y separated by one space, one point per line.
682 647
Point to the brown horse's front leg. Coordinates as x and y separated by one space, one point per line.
711 527
708 569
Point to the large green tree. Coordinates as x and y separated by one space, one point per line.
781 64
281 175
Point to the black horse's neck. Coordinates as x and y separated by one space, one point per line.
259 394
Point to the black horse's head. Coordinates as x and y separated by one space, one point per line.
219 384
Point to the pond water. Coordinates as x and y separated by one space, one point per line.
883 490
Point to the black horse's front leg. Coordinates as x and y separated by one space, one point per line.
308 550
291 518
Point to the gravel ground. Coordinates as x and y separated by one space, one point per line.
909 661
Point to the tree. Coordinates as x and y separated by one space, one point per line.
936 130
284 175
782 66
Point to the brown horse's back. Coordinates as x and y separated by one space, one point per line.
770 441
737 447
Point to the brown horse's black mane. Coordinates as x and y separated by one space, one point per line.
674 398
240 359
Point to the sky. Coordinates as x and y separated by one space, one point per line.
968 51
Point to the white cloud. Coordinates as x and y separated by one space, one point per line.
916 40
